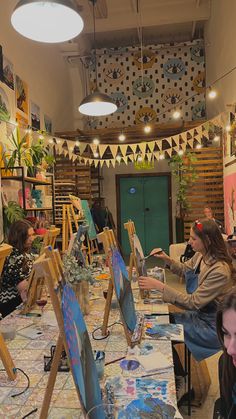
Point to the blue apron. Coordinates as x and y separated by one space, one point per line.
199 325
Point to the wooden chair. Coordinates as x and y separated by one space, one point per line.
5 250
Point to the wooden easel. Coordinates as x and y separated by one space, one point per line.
7 360
50 237
68 216
35 284
130 227
54 287
55 257
5 250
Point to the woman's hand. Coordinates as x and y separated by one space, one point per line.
160 254
149 283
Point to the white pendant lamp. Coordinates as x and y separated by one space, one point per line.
97 103
48 21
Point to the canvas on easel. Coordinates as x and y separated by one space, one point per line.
137 260
35 285
69 223
74 339
121 283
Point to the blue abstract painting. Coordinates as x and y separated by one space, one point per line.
123 290
81 356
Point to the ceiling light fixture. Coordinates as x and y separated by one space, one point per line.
96 141
176 114
97 103
147 129
212 93
49 21
121 137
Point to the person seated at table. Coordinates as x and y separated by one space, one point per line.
226 329
17 267
208 214
212 275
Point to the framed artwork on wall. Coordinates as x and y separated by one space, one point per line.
8 73
22 96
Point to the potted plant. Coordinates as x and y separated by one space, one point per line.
11 212
20 154
41 156
184 173
79 277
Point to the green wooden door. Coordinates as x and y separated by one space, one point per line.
145 200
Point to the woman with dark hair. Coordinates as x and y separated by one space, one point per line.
17 267
226 329
210 272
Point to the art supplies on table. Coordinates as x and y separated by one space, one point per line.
173 332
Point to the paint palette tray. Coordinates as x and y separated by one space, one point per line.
63 365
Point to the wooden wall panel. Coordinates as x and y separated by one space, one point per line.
207 189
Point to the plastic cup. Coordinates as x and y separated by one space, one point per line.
100 363
103 411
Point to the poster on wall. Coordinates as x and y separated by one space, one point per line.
22 98
1 64
8 73
48 124
7 103
35 116
230 202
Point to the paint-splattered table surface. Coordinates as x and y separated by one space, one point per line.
28 355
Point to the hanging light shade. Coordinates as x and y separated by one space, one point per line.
49 21
97 104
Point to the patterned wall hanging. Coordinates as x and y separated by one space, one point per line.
170 74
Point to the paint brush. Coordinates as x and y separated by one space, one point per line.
156 253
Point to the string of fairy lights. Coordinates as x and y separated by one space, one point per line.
175 111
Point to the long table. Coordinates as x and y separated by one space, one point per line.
28 355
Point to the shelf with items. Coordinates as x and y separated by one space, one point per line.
27 194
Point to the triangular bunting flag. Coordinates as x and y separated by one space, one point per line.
151 145
102 162
123 149
198 138
169 151
125 158
107 162
183 146
133 147
159 144
113 162
169 141
190 142
82 147
184 136
93 148
96 162
113 149
142 147
102 148
149 156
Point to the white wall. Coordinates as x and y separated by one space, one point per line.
220 40
42 67
109 184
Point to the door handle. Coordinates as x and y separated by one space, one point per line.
147 209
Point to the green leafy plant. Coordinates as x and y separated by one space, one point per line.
74 273
184 172
11 212
20 153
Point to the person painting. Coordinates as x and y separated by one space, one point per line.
212 271
208 214
17 267
226 329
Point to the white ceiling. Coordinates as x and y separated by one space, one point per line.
117 21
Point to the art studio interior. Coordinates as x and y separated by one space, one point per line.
117 209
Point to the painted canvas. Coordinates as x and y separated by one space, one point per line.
166 331
8 73
48 124
230 202
1 64
80 238
147 407
7 103
88 217
123 290
80 352
35 116
22 98
138 252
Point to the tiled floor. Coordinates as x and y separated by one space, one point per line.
206 410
